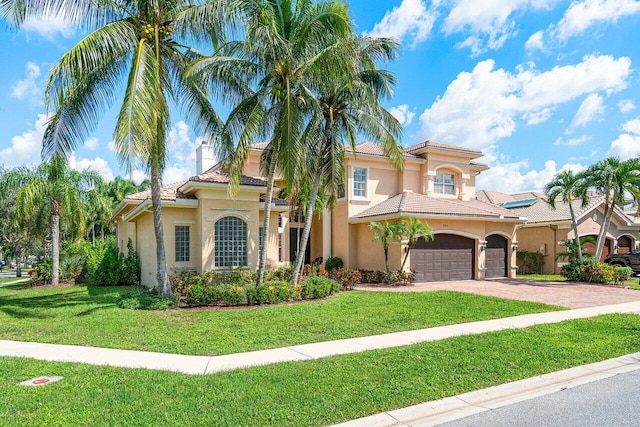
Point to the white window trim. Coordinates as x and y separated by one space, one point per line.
353 183
435 184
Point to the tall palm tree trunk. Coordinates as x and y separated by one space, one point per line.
307 229
162 278
268 197
602 235
574 224
55 242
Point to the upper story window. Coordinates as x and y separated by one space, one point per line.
182 243
359 182
445 184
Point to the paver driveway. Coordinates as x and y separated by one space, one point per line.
571 295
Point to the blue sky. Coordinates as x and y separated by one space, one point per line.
538 85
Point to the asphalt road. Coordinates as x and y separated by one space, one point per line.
611 402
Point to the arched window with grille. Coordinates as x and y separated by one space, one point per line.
230 239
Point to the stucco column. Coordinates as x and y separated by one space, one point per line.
429 183
326 234
481 268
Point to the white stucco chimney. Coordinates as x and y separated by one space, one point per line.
205 158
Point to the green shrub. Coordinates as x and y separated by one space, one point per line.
347 278
130 267
42 274
333 262
142 299
529 262
597 272
234 295
318 287
284 272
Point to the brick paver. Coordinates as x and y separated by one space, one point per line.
571 295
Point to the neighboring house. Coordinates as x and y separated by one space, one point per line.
206 228
546 228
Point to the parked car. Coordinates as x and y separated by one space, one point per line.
631 259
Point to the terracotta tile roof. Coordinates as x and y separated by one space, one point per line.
215 175
431 144
168 192
541 211
498 198
276 200
414 203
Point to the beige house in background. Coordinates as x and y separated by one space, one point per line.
546 228
205 228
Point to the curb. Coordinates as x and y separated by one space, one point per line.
456 407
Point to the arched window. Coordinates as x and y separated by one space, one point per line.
230 239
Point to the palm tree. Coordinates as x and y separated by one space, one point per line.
414 229
385 233
568 187
99 206
142 46
615 179
283 55
349 106
60 189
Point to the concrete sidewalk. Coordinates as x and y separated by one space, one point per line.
467 404
198 365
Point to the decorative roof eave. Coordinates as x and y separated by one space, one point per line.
431 146
122 205
546 223
145 205
274 207
202 185
621 214
406 214
407 157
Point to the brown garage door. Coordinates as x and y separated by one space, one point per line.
496 257
591 248
624 245
447 257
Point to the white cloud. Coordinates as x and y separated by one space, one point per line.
30 87
98 165
25 149
182 149
138 176
627 145
480 107
175 173
626 105
411 20
490 23
535 42
49 26
581 15
572 142
510 178
403 114
91 144
592 108
537 117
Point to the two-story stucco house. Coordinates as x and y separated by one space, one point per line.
205 228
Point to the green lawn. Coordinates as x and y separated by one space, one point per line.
88 316
309 393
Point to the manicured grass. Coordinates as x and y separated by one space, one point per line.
88 316
309 393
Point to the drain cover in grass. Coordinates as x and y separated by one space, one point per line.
40 381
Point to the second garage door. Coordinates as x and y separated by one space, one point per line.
447 257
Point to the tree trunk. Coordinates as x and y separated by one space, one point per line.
265 221
18 269
162 278
406 256
93 235
386 257
55 244
574 224
307 229
602 235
